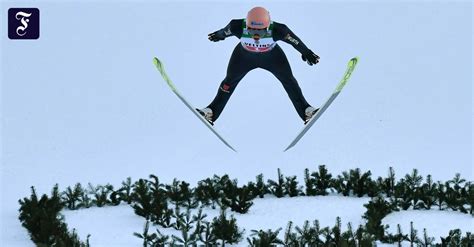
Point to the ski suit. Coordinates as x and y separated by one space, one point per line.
261 53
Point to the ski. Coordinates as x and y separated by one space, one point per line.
161 69
350 67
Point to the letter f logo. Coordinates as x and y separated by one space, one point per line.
23 23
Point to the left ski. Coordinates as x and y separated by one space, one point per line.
350 67
161 69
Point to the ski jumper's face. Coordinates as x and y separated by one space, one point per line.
257 32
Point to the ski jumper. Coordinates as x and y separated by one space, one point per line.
262 53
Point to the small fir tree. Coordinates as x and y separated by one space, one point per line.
361 182
377 209
290 238
85 201
179 219
185 240
399 237
238 199
468 240
360 235
454 200
310 183
291 187
100 194
322 180
145 235
343 184
142 199
199 218
206 235
427 194
277 187
464 199
327 236
470 197
161 213
348 237
336 231
440 198
413 182
150 201
457 182
208 192
125 192
188 221
317 232
178 192
403 195
413 236
388 185
260 187
264 238
226 230
72 196
426 241
161 240
305 234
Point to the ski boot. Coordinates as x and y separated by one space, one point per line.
207 114
309 113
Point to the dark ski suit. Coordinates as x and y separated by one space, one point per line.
242 61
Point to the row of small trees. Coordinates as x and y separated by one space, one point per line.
412 191
161 204
196 231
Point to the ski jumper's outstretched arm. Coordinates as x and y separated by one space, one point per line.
282 32
234 28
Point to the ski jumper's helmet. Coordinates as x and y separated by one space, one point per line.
258 18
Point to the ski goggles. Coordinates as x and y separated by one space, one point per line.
255 31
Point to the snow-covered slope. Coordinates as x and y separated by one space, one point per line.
84 103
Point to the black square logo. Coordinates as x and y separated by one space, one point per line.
23 23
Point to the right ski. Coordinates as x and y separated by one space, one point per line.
161 69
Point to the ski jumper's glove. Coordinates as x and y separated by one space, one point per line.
217 36
310 57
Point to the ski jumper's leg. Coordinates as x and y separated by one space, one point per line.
277 63
240 63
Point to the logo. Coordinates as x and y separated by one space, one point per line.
255 23
23 23
225 88
291 39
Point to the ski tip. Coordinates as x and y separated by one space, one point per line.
353 61
156 61
159 65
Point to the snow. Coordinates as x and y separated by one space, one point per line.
437 223
84 104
